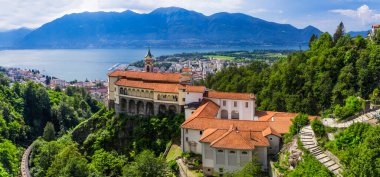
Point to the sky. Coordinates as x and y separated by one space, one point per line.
357 15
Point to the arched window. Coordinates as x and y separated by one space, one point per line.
121 91
224 114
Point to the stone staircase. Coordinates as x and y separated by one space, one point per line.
309 142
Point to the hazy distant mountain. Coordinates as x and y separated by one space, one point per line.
163 27
357 33
8 38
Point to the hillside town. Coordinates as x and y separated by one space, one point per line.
97 88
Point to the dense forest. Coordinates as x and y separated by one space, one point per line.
25 109
312 81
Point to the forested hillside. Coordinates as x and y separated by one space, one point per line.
109 145
312 81
25 109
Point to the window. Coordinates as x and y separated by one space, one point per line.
270 147
270 138
235 104
232 158
209 153
200 132
187 139
224 102
246 104
220 157
187 131
183 99
244 158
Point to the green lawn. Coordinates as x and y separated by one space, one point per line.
220 57
174 152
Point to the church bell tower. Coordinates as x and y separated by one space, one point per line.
149 62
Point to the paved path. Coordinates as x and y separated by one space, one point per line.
25 162
309 142
369 117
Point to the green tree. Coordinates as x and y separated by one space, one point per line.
312 39
298 122
9 157
252 168
339 33
108 163
49 132
146 165
69 162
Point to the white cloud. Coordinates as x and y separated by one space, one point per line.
363 13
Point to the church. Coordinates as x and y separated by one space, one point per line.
224 127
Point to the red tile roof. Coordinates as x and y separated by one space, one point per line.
376 26
270 131
246 134
196 89
233 138
159 87
147 76
230 95
186 70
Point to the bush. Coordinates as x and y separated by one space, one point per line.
173 166
298 122
318 128
352 106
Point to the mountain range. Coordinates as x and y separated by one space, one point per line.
170 27
10 37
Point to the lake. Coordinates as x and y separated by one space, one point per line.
84 63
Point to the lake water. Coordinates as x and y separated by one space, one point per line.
83 63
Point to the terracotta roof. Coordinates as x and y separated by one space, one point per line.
208 108
205 117
147 76
159 87
237 134
196 89
270 131
186 70
211 134
233 139
376 26
230 95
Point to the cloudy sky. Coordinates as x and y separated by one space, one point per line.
357 15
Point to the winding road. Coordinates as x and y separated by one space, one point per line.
25 162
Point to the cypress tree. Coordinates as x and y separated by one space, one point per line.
339 33
49 132
312 39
